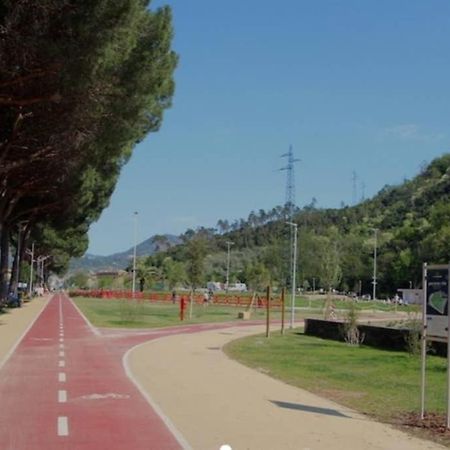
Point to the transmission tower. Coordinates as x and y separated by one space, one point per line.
363 191
290 204
290 182
355 190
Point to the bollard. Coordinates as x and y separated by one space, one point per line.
182 308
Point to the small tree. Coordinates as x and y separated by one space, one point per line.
195 255
352 334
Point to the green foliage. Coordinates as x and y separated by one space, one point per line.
335 246
82 82
138 314
79 280
351 332
196 250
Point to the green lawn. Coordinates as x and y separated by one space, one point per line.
384 384
143 314
319 303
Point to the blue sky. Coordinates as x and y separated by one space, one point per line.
353 85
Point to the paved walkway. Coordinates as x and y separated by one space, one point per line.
213 401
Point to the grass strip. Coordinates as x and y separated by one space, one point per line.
143 314
383 384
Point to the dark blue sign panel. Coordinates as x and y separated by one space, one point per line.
437 300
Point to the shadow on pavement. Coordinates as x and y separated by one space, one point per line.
311 409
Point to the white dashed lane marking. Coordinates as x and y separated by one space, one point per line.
62 396
62 421
63 426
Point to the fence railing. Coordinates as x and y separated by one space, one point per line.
227 300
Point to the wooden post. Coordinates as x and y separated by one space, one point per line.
267 311
282 311
191 300
182 307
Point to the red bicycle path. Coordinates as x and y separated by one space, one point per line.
65 387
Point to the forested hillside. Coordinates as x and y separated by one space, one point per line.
335 246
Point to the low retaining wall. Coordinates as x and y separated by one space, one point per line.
380 337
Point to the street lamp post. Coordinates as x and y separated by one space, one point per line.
19 238
133 289
31 253
294 270
375 265
229 244
40 261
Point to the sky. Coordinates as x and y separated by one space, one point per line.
353 85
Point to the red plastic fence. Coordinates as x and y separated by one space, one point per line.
234 300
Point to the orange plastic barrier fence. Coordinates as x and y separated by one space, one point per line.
160 297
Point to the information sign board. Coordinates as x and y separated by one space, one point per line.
436 301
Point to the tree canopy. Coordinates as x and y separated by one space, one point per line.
81 83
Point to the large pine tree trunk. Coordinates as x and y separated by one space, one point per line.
4 262
18 257
13 278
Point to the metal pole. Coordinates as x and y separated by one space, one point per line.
423 344
16 289
229 244
268 311
448 351
282 310
40 261
133 288
375 266
30 287
294 270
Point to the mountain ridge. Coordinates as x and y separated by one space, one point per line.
120 260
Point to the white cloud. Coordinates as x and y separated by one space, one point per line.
412 132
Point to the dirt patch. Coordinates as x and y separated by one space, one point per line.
433 426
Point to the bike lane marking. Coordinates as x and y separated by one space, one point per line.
98 408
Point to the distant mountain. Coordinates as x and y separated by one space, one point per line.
121 260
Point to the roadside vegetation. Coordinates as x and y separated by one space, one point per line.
407 223
128 313
383 384
82 83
